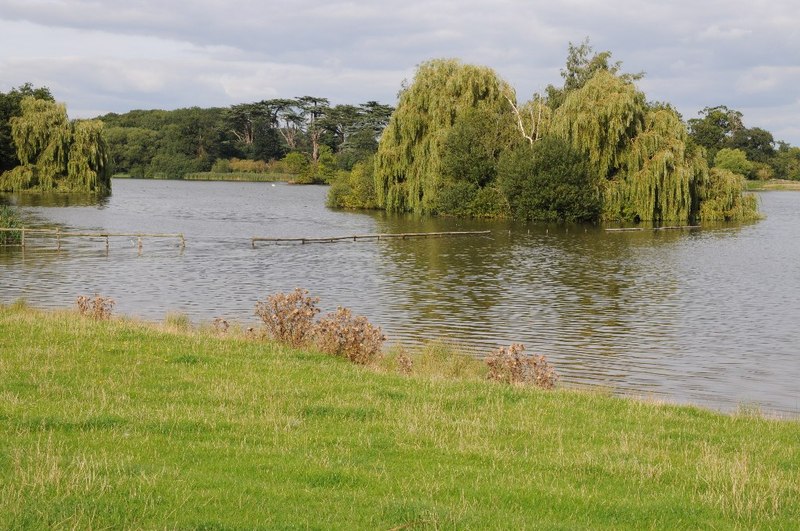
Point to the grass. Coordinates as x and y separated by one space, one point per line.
238 176
122 424
772 184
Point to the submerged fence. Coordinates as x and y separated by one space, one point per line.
356 237
58 235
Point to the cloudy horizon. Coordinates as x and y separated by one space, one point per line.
114 56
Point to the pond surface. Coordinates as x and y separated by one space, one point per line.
706 316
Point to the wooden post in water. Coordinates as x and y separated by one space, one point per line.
22 238
140 245
58 239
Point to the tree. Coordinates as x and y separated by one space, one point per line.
408 169
715 128
313 110
582 65
734 160
758 144
56 154
641 156
548 181
10 107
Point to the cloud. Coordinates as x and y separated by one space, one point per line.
115 55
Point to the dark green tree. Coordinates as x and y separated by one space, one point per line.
549 181
11 107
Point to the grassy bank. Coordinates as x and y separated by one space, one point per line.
128 425
773 184
239 176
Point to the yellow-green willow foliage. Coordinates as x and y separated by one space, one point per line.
661 177
408 171
600 119
724 198
645 170
56 154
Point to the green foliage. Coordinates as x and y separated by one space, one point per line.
56 154
548 182
409 170
295 163
600 119
9 219
582 65
734 160
354 189
11 107
660 176
724 198
472 146
715 128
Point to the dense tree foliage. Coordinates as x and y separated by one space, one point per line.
11 107
409 169
549 181
720 128
594 149
54 153
170 144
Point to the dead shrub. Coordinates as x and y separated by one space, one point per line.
353 337
220 325
289 317
510 365
404 363
98 307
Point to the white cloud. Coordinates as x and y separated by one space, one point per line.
114 55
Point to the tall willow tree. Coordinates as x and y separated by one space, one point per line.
56 154
645 170
408 165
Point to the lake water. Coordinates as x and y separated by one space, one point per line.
709 316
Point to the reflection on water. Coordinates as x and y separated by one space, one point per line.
706 316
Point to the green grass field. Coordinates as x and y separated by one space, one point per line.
118 424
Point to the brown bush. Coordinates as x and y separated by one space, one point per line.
511 365
352 337
289 317
404 363
98 308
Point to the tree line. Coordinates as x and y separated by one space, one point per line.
594 148
314 137
459 143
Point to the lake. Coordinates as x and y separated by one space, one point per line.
707 316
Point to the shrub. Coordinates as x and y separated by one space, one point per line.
353 337
98 308
405 365
289 318
549 182
510 365
220 325
9 219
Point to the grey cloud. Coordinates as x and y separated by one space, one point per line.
743 54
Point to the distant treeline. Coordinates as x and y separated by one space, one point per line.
313 137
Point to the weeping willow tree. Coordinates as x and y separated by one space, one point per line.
56 154
408 164
644 167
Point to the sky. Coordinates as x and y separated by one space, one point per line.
118 55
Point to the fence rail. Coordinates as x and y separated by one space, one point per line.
356 237
58 234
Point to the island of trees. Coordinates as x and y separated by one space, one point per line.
459 143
